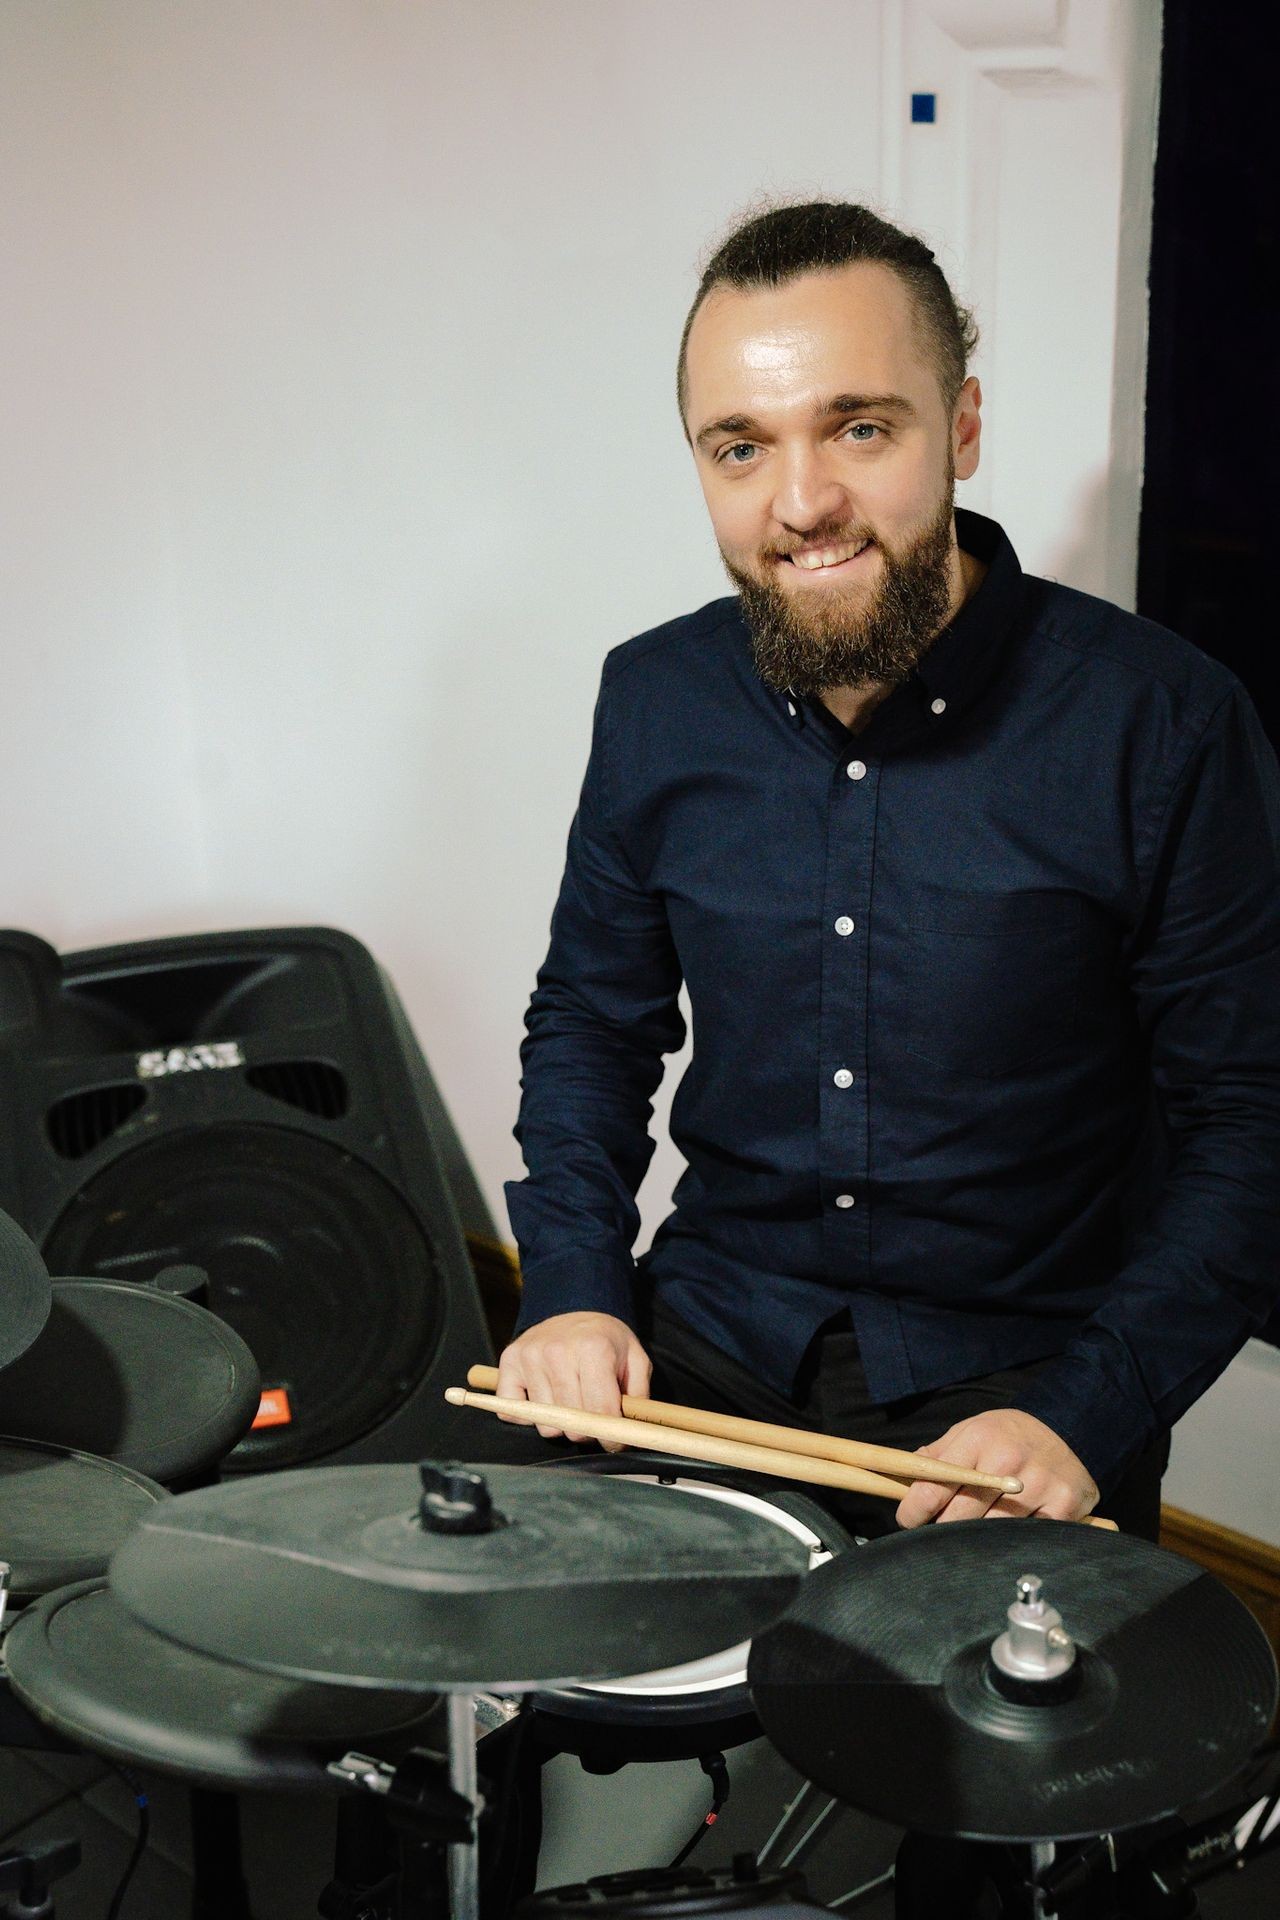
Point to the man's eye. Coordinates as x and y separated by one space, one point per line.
862 432
726 454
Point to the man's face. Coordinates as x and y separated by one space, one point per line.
827 457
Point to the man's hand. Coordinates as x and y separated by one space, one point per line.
586 1360
1054 1482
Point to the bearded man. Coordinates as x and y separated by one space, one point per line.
971 879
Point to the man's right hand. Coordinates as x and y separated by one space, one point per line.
586 1360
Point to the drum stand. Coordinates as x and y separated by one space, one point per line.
963 1878
26 1877
433 1804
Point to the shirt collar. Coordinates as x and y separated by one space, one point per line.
962 658
959 661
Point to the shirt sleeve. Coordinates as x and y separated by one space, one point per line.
1204 971
602 1016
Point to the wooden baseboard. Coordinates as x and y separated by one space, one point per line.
1249 1567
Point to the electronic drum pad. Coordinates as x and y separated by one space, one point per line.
881 1684
453 1578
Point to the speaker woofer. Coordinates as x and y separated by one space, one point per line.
313 1258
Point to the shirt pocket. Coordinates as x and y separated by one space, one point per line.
993 979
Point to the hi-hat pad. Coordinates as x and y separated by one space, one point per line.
396 1576
1126 1684
25 1291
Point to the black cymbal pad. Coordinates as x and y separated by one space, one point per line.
24 1291
877 1684
328 1574
143 1378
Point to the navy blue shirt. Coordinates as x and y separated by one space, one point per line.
986 1011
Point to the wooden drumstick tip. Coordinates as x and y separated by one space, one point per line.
456 1396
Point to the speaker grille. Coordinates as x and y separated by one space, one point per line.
313 1086
312 1257
82 1121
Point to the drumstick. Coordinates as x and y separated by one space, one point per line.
624 1431
897 1461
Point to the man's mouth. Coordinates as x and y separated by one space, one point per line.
821 559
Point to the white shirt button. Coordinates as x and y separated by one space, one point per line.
842 1077
937 706
856 770
844 1199
844 924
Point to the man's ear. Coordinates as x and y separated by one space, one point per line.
966 429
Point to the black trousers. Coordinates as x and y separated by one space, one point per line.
831 1396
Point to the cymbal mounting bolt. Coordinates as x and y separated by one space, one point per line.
1035 1646
455 1499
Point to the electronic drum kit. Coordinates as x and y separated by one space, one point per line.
1038 1704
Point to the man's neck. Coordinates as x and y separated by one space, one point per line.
854 706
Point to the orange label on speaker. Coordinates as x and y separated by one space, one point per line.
274 1409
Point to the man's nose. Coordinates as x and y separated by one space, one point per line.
809 493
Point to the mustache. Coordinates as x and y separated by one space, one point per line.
824 536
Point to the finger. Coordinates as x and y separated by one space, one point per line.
971 1504
637 1373
539 1378
924 1503
1062 1502
565 1388
511 1380
598 1387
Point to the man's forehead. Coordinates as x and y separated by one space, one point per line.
853 325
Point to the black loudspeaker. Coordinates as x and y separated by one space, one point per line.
256 1105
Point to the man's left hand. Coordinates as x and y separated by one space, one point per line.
1055 1484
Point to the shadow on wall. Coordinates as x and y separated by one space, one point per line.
1082 555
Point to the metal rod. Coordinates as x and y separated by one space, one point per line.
860 1893
464 1865
809 1832
802 1793
1042 1858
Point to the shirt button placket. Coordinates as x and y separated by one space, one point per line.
844 1120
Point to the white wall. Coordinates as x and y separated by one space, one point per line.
341 433
1224 1449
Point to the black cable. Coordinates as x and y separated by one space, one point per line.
138 1791
713 1765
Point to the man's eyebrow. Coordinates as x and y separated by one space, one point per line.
732 423
838 404
867 403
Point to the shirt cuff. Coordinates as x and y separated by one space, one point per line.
579 1282
1104 1428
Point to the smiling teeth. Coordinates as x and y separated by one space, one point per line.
827 556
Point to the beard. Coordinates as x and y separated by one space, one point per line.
808 649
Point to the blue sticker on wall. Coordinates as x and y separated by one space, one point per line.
924 108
